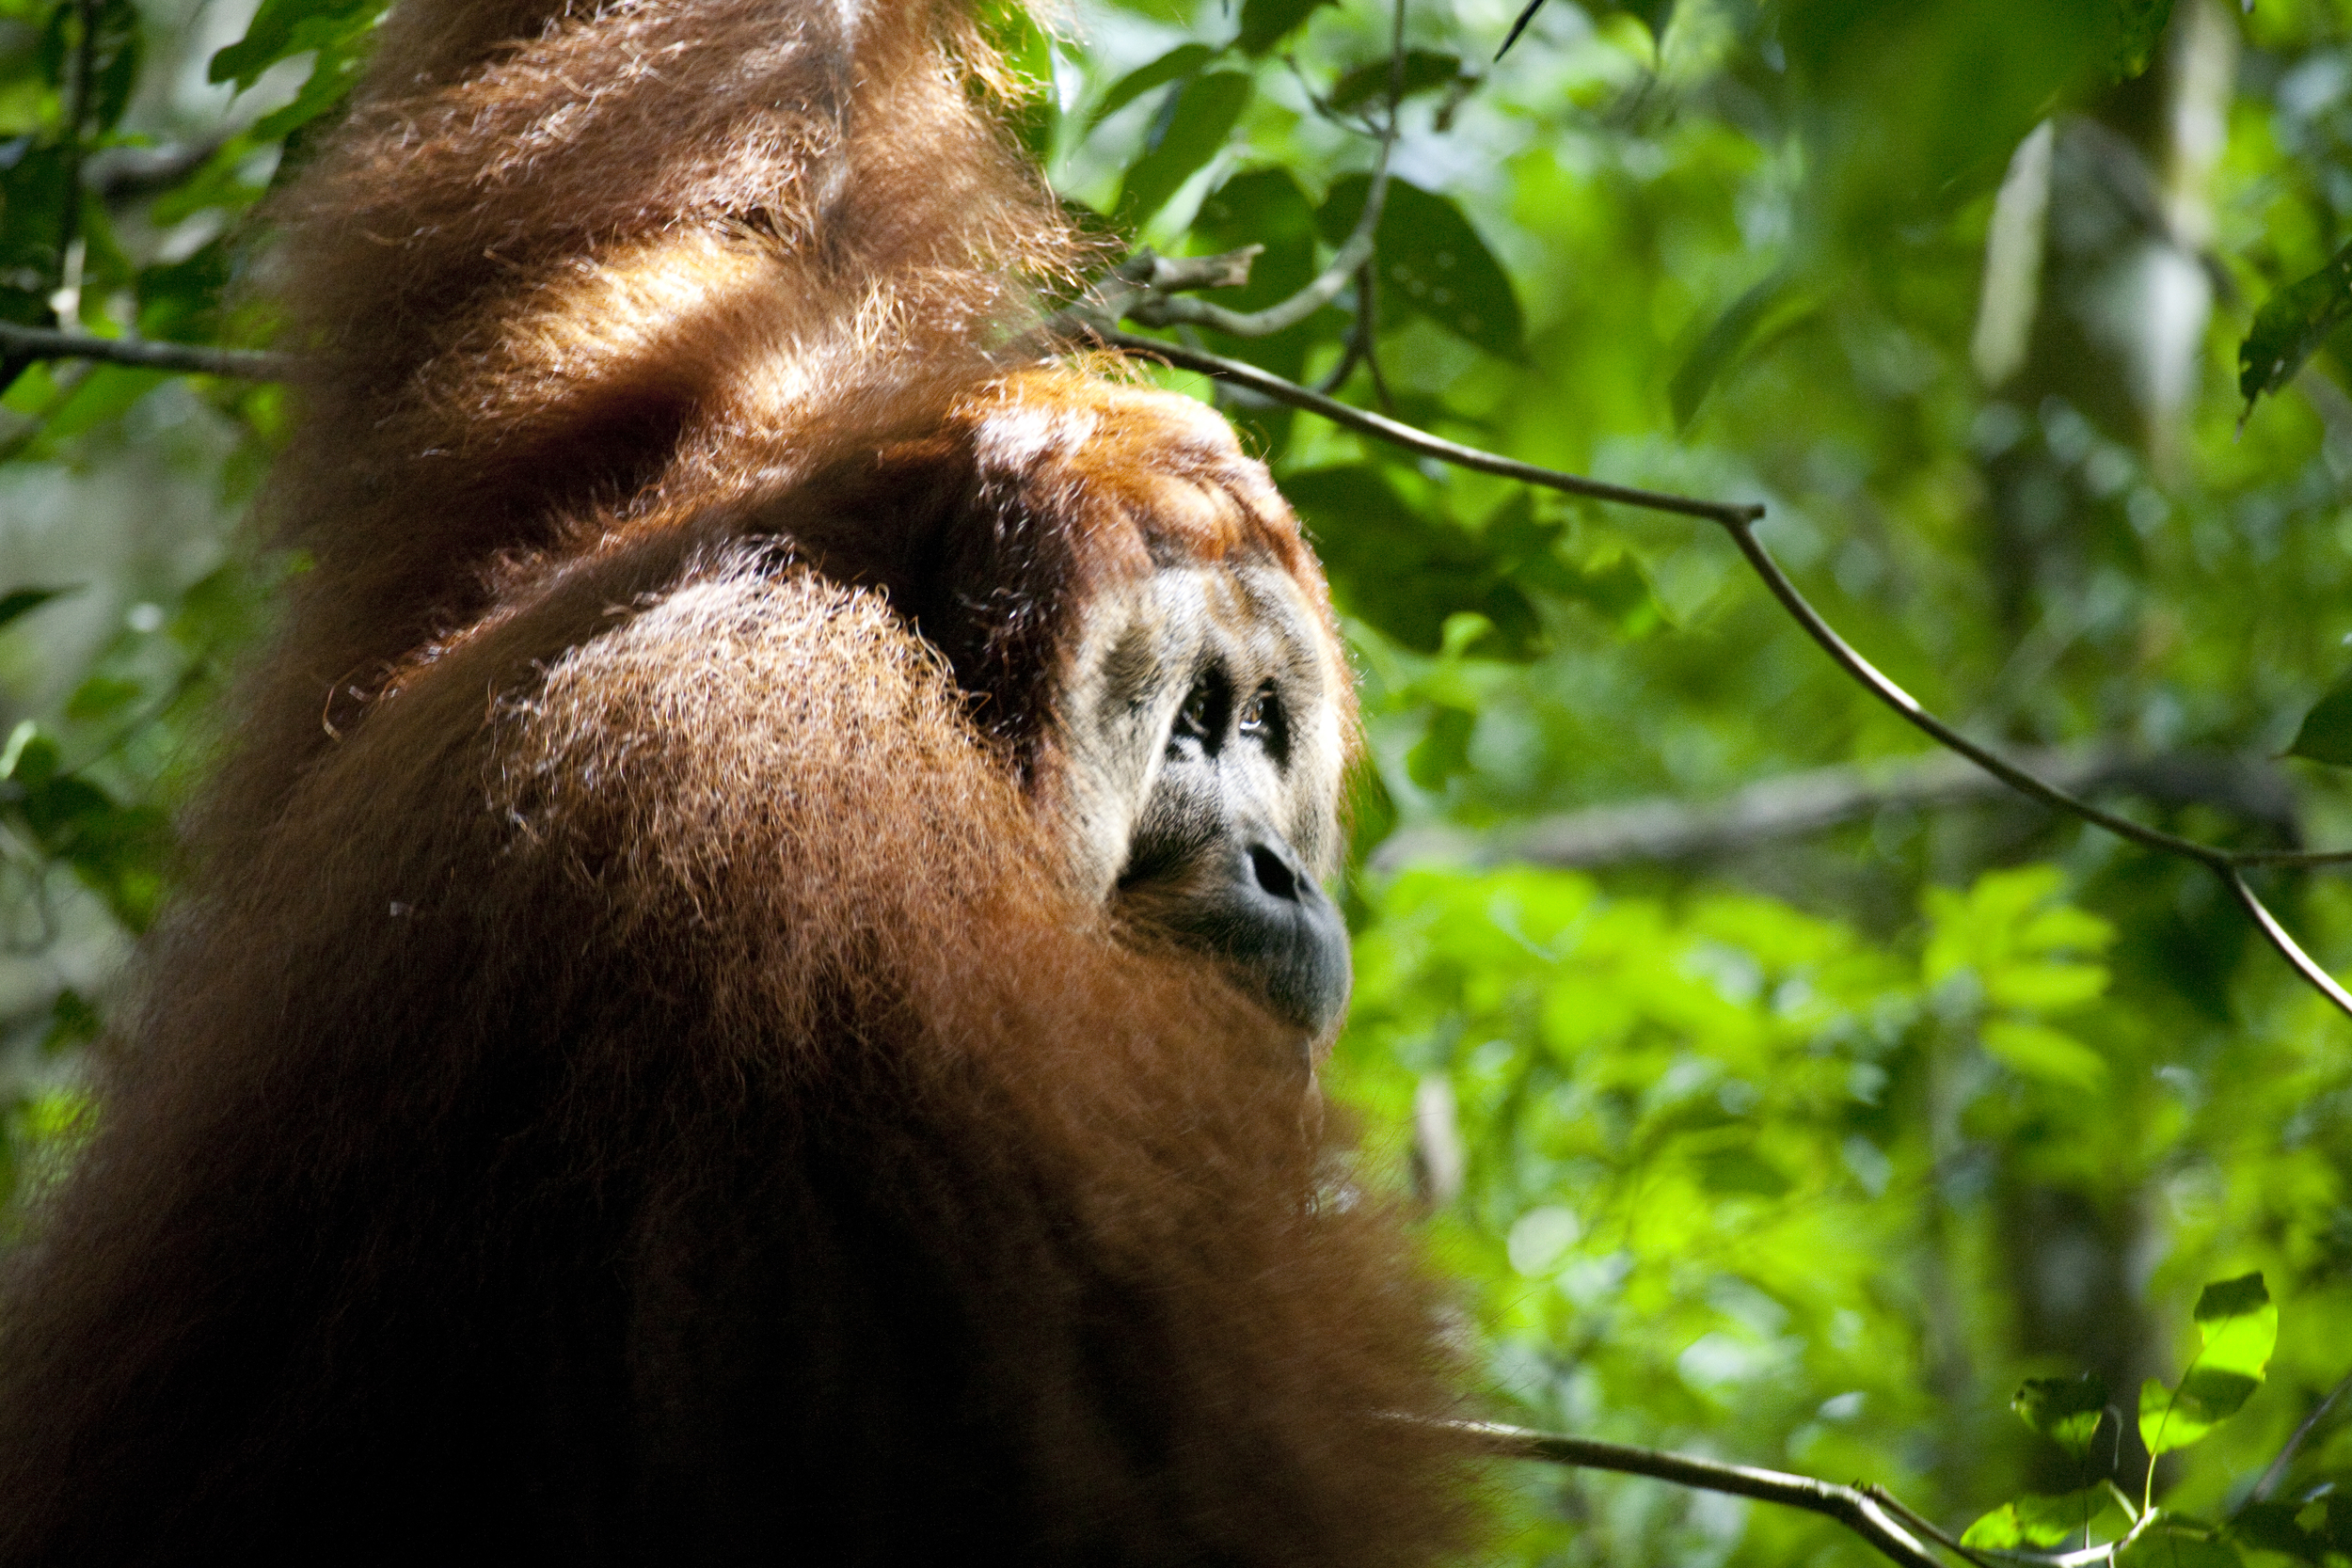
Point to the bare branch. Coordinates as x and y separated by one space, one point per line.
1850 1507
2278 1470
1739 519
18 344
1794 805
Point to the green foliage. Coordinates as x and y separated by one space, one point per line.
2066 1410
1431 263
1801 1148
2326 733
1198 118
1422 71
2238 1324
2290 325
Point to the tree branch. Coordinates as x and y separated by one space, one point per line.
1797 804
2278 1470
1738 519
25 344
1859 1511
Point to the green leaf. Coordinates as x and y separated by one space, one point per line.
1027 50
1265 207
2045 1054
33 185
1764 313
2175 1417
101 696
2239 1323
72 1022
1407 572
106 393
2290 326
180 300
1204 117
1444 751
1265 22
19 602
1742 1169
1430 262
2089 1518
2325 735
281 29
1184 60
2066 1410
1424 69
2046 988
2140 25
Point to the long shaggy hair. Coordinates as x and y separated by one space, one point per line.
628 1076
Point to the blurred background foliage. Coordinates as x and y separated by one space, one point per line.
1775 1091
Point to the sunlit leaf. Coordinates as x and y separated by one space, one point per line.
2072 1520
2239 1323
1541 1238
2291 324
2175 1417
2048 1055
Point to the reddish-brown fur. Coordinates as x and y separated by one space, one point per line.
629 1078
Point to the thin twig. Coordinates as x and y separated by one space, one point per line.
1358 337
1850 1507
2277 1471
1738 519
35 342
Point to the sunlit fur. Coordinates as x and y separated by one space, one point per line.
642 1067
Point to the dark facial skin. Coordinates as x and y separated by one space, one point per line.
1209 864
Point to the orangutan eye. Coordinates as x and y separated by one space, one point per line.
1259 715
1198 717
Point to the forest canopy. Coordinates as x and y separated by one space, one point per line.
1779 1082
